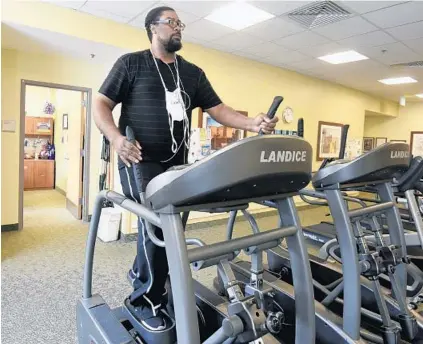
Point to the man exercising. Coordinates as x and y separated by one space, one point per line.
158 90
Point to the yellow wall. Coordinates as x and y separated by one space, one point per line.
9 141
60 145
74 146
67 102
35 98
256 84
410 118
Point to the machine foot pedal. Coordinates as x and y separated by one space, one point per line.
166 336
409 326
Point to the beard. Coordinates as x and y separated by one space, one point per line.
172 45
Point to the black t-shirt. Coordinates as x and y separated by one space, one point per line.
135 82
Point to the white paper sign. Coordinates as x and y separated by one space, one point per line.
353 149
8 125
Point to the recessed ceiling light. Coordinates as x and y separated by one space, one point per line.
419 95
238 15
397 81
343 57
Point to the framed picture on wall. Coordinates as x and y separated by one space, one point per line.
368 143
416 143
328 140
221 135
380 141
65 121
402 141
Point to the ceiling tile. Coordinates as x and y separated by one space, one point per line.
199 8
237 41
345 28
409 31
323 49
103 14
365 68
397 15
301 40
273 28
415 44
127 9
278 7
286 58
186 17
371 39
265 49
312 64
217 46
365 6
390 53
207 30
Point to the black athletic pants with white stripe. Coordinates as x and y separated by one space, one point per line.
150 267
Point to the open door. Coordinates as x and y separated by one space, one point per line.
76 132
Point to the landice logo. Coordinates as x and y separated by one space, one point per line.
399 154
283 156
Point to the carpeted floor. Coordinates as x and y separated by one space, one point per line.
42 268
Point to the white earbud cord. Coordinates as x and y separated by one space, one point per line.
175 148
187 136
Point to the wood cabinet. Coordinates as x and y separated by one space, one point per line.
38 174
28 174
39 126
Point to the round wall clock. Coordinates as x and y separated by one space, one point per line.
288 115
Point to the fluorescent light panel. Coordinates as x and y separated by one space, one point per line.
238 15
343 57
420 95
398 81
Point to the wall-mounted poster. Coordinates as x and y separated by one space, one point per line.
416 143
329 140
221 135
353 148
368 144
380 141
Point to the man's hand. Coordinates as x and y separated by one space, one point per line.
127 151
267 125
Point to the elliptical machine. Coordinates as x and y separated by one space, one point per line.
364 304
248 314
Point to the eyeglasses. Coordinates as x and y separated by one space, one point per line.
173 23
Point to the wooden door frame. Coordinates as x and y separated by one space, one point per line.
86 152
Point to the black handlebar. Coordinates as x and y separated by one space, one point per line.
344 135
131 138
273 108
300 127
130 134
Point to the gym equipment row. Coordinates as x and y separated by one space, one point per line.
362 296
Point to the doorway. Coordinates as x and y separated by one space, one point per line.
54 145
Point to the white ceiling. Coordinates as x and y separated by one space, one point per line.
388 32
29 39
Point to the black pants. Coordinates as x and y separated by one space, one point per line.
150 268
